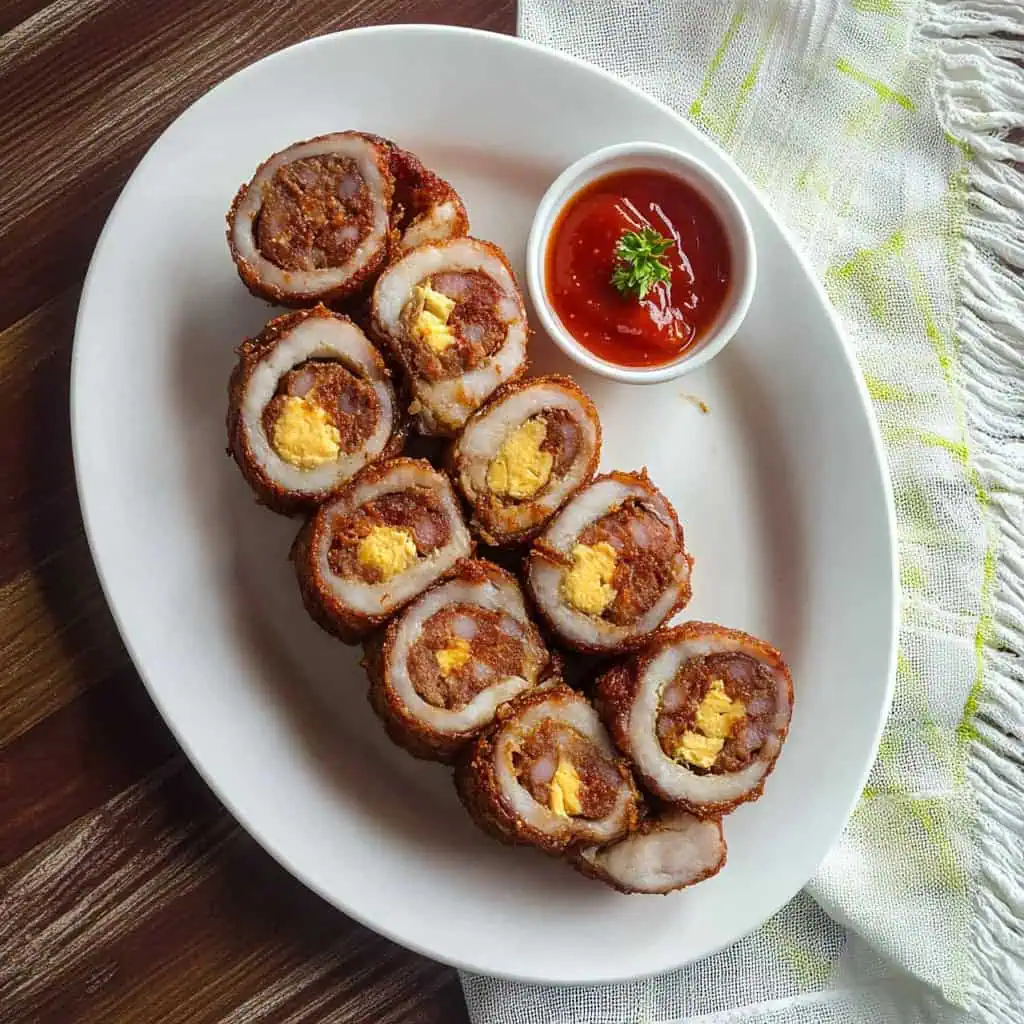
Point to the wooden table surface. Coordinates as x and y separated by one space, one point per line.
127 893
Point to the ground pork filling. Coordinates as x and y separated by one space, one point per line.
744 715
418 512
314 213
550 756
474 329
563 439
350 402
463 649
646 548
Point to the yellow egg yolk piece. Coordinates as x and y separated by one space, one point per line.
521 468
587 585
717 713
303 434
565 790
387 549
454 656
432 310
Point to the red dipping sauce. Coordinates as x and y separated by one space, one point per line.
580 258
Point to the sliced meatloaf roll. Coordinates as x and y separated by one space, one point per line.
702 713
392 532
314 223
611 566
453 316
669 851
547 775
310 404
524 454
451 658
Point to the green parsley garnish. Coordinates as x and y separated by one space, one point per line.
638 262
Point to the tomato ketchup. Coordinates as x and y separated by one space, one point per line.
581 257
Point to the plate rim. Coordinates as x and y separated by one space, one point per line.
817 288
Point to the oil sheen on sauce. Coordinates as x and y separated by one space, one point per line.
580 259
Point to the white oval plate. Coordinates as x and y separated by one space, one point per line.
780 488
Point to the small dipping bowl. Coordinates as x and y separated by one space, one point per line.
646 156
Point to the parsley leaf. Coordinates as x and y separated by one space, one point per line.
638 262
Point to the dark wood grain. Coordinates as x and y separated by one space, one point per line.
127 893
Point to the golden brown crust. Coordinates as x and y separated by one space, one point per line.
483 507
251 353
649 824
540 551
613 691
404 728
318 605
418 190
616 689
353 285
480 792
324 608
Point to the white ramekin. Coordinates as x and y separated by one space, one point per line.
646 156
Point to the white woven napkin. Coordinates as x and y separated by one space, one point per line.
882 131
